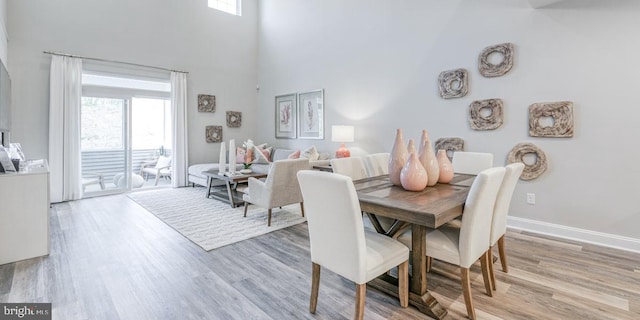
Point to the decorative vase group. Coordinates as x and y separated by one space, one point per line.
413 170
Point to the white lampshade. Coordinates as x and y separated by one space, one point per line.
342 133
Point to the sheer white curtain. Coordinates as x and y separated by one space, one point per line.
179 155
64 128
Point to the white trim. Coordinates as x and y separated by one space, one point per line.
582 235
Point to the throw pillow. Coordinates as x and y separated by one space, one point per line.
294 155
310 153
241 153
262 155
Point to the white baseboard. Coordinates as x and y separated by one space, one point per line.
582 235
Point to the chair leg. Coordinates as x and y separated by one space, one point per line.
403 284
246 206
302 208
503 255
484 264
269 218
157 179
315 286
361 293
491 273
429 260
466 290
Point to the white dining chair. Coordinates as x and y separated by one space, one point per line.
471 162
465 245
500 212
339 242
352 167
376 164
279 189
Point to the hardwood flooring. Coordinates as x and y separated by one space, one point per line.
111 259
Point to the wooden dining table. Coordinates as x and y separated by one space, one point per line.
430 208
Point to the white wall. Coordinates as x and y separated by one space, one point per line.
217 49
378 62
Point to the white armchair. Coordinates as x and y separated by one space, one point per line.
281 187
162 169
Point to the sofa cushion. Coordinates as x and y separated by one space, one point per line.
294 155
310 153
262 154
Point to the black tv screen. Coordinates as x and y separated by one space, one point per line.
5 99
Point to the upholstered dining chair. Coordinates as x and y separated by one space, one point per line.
161 169
471 162
376 164
500 212
352 167
281 187
465 245
339 242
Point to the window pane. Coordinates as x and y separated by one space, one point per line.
228 6
151 123
101 123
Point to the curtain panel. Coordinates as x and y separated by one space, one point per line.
65 90
179 161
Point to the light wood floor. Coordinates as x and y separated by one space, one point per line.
111 259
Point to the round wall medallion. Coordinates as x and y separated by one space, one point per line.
453 83
532 171
560 112
489 69
478 120
451 145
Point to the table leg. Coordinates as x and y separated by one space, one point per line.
419 296
230 193
209 183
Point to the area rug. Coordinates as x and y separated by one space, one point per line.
211 223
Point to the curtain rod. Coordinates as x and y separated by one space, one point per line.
108 60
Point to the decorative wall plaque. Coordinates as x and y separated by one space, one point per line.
562 114
488 69
492 120
206 103
451 145
214 134
453 83
533 171
234 119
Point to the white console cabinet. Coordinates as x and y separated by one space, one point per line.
24 213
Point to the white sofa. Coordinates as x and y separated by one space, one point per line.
196 176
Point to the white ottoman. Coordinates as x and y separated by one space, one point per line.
137 181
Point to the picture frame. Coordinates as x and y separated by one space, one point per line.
286 116
311 114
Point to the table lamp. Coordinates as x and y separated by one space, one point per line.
342 134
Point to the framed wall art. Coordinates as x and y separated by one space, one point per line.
234 119
206 103
311 114
213 134
286 108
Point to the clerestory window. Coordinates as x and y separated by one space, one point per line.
228 6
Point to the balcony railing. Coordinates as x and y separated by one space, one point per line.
108 163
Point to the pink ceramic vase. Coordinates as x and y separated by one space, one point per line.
413 176
411 147
446 169
397 159
428 159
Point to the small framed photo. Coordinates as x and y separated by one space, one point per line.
286 120
311 114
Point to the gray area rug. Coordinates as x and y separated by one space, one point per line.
211 223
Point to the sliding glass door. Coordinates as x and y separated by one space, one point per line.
105 147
